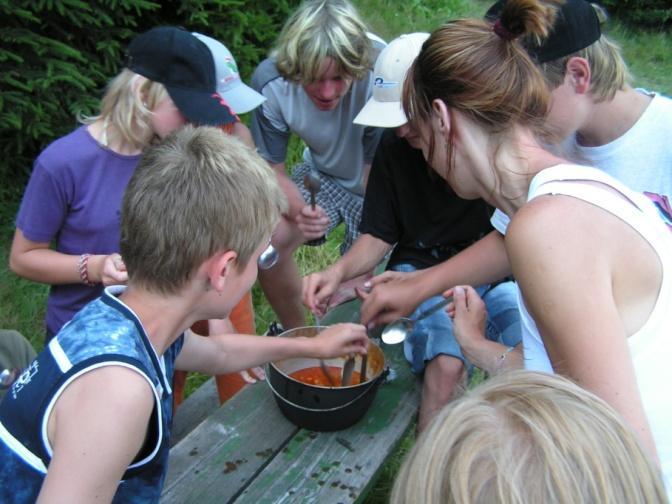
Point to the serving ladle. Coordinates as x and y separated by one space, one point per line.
397 331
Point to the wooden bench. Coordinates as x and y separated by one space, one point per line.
246 451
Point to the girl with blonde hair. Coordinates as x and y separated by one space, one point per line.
526 437
74 195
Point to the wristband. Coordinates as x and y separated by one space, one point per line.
83 268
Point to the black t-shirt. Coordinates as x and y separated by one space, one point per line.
407 203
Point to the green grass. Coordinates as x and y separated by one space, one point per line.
22 302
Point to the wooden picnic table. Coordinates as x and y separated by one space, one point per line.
246 451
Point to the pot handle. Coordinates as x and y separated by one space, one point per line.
375 382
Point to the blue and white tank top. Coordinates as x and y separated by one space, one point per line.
104 333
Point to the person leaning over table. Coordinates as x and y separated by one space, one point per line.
91 419
604 122
315 82
591 257
410 211
76 187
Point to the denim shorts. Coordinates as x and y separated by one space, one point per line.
434 336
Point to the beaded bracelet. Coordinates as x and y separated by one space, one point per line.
83 268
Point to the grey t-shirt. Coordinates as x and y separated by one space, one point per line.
335 146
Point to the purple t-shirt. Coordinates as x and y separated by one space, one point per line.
74 198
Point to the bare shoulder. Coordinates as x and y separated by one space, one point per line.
98 426
556 241
553 225
107 392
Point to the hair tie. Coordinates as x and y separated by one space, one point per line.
502 31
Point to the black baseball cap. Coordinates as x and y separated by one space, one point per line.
576 27
184 65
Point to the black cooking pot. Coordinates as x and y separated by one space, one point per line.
320 408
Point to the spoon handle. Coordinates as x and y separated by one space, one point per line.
434 308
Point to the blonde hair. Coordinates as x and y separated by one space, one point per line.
321 29
127 104
198 192
527 437
490 79
609 73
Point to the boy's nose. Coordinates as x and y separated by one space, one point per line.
328 90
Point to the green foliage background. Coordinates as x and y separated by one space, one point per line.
650 14
56 57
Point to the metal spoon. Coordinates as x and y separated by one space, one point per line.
268 258
7 377
311 181
323 365
397 331
348 367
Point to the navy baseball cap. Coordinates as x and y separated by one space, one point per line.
576 27
184 65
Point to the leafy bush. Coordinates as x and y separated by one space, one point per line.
650 14
56 57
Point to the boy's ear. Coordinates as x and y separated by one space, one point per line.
578 71
219 267
442 116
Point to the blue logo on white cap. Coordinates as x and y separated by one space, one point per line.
380 82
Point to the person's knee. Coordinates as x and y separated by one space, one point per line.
442 374
502 305
287 237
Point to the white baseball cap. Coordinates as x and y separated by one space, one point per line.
230 86
384 108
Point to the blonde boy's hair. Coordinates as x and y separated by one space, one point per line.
127 106
321 29
197 193
528 437
608 71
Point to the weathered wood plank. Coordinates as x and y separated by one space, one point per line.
338 467
214 461
195 408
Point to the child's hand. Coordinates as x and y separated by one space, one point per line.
341 339
468 313
318 288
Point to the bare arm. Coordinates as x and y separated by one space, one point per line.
242 133
396 295
36 261
226 353
563 254
96 430
362 257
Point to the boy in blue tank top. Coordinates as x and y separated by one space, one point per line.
89 419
